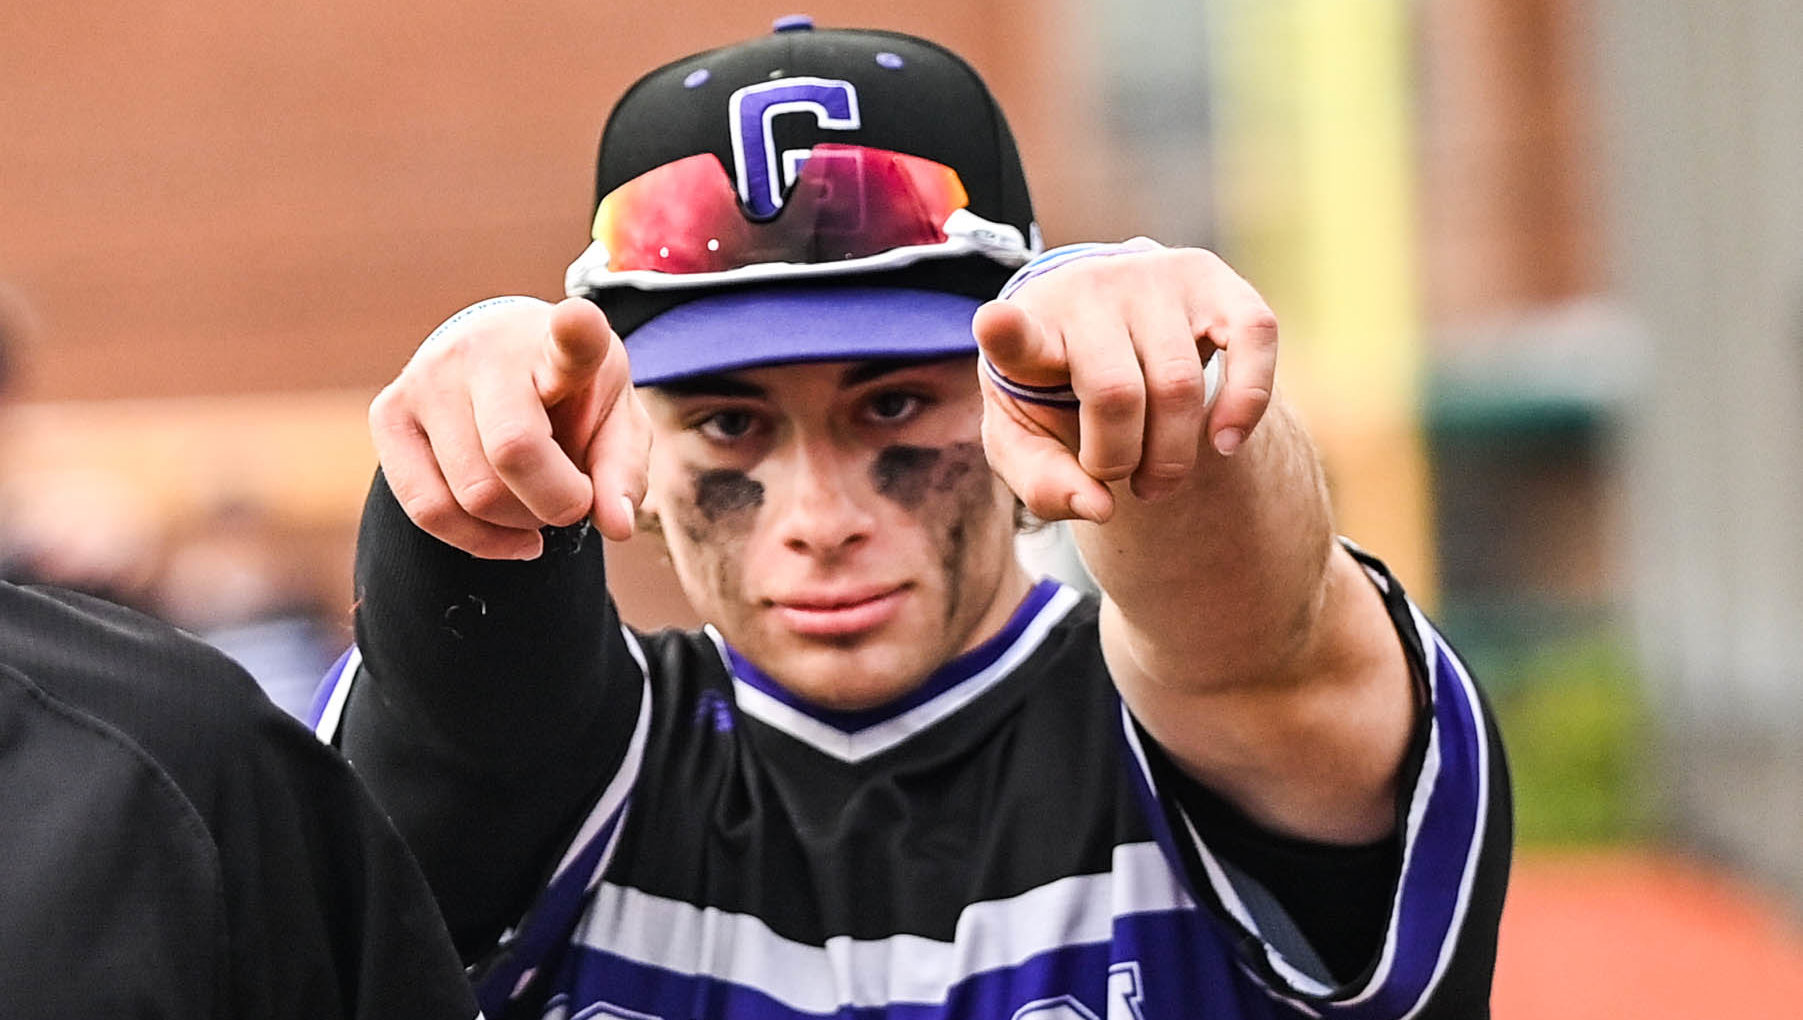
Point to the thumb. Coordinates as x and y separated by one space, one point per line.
576 342
1019 347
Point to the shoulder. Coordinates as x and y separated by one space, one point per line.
182 704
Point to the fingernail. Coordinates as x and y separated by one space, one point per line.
1086 506
1227 441
1152 491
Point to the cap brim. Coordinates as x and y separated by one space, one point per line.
749 328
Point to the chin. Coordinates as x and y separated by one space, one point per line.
847 677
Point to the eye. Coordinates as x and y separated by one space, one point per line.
727 426
892 406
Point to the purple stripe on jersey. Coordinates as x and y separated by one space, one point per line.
546 930
1165 965
1434 885
1432 889
322 695
942 679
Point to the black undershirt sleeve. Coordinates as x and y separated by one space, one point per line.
495 699
1339 896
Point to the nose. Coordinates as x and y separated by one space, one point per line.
824 512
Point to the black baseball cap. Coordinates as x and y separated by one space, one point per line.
810 194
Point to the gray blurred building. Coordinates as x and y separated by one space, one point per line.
1703 108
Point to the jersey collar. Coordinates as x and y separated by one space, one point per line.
855 735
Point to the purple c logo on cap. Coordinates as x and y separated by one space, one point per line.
762 172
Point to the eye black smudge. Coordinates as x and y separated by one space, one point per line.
953 489
715 523
905 473
723 491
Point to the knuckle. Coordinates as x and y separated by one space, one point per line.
1166 468
1108 470
1044 501
1258 395
1196 260
512 445
1262 321
1175 381
482 497
1115 394
434 513
571 511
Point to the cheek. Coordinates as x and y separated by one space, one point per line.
944 477
950 489
713 510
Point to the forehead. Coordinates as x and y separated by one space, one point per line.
772 380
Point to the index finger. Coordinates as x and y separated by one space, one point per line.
518 441
577 337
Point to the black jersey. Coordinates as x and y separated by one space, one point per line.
173 845
1003 842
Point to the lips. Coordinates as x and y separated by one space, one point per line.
839 614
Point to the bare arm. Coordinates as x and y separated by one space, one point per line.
1252 647
1248 644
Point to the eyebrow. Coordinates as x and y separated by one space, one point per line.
876 368
720 384
711 386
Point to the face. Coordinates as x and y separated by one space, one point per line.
837 521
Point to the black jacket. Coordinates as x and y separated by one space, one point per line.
173 845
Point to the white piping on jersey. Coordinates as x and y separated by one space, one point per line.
1433 650
1468 878
880 737
705 941
327 727
613 799
1302 984
1224 888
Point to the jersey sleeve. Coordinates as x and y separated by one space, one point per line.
488 705
1402 928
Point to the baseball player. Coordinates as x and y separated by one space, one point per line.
894 776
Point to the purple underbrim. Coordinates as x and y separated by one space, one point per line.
745 329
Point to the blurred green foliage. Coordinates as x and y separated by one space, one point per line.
1578 732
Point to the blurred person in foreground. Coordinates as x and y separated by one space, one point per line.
173 845
895 776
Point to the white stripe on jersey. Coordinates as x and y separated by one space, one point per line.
327 727
1430 639
875 739
613 799
1299 983
846 972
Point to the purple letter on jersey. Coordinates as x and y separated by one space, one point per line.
761 175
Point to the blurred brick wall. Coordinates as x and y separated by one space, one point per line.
212 197
1510 186
207 200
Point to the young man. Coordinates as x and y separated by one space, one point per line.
895 776
174 845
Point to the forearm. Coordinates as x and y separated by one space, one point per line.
1223 580
494 698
